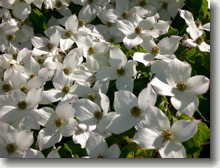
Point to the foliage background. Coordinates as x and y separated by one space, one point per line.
199 145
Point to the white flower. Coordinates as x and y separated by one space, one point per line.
174 79
48 45
168 8
195 30
138 29
120 70
90 9
92 114
164 50
98 148
157 134
131 110
14 143
82 133
61 123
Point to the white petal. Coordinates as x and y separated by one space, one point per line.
71 23
122 123
51 96
33 154
132 40
66 44
96 145
155 120
204 47
68 129
169 45
124 101
21 10
172 150
183 130
104 102
48 138
185 104
87 13
197 85
117 57
125 83
24 139
161 87
147 97
148 139
143 58
85 109
113 152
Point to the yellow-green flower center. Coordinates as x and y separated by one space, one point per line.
167 134
136 111
22 105
66 89
181 85
6 87
98 115
155 50
59 122
120 71
11 148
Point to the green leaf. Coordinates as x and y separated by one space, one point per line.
195 145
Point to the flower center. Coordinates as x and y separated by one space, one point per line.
59 122
11 148
109 24
198 23
82 23
22 105
167 134
58 4
98 115
142 3
11 37
67 71
66 89
136 111
40 59
155 50
138 30
50 46
14 56
199 40
68 34
92 96
125 14
24 89
181 85
89 1
32 76
164 5
6 87
100 156
91 50
121 71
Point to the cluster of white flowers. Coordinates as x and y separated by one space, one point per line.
56 83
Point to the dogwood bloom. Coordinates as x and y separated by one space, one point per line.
61 123
98 148
136 31
164 50
195 30
14 143
120 70
131 110
158 134
174 79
